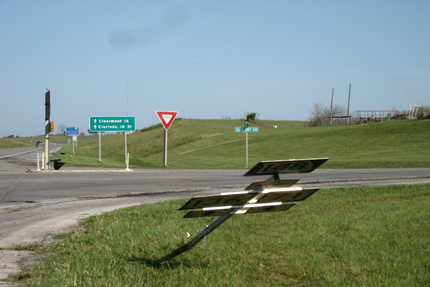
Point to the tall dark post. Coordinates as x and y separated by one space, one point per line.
349 98
331 107
47 126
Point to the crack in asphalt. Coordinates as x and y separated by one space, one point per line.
10 188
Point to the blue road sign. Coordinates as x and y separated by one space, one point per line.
72 131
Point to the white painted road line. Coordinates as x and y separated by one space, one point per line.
6 156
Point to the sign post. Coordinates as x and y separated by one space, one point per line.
74 139
74 132
259 197
100 146
45 165
247 129
165 148
166 119
113 124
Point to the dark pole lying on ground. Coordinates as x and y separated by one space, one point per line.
255 199
220 220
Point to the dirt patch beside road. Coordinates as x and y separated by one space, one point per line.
15 262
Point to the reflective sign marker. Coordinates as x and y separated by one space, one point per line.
166 118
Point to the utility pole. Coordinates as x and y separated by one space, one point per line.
331 107
349 98
47 126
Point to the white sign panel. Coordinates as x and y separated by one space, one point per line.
251 210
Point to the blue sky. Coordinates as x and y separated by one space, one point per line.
207 59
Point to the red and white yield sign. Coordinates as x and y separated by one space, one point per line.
166 118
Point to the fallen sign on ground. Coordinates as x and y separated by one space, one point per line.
259 197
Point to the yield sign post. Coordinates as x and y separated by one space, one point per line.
166 119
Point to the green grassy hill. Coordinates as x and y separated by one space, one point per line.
214 144
31 141
15 143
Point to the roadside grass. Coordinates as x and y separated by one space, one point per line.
14 143
374 236
31 141
213 144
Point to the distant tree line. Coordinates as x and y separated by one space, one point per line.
251 116
319 113
322 115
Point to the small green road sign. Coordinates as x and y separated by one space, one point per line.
112 124
251 130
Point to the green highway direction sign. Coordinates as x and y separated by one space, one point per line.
240 130
112 124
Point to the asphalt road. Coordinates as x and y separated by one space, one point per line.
71 192
35 205
20 183
22 187
10 152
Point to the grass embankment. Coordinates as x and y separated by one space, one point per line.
213 144
14 143
31 141
376 236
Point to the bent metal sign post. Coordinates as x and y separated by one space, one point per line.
259 197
